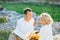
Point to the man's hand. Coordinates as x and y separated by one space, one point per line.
31 34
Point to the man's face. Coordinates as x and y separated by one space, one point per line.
28 15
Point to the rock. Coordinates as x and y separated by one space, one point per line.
34 15
55 28
56 25
56 37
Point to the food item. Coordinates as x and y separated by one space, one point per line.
35 37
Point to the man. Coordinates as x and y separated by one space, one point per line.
24 27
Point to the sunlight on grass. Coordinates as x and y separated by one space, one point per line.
52 9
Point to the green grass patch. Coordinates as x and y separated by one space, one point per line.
53 10
4 35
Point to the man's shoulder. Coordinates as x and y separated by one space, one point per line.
20 19
32 18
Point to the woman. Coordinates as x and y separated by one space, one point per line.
46 29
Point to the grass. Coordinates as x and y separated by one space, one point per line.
53 10
4 35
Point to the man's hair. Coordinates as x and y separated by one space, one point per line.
26 10
1 8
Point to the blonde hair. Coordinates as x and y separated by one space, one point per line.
48 16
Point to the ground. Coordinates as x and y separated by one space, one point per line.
53 10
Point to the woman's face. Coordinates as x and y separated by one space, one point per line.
45 20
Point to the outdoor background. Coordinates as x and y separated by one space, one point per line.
12 10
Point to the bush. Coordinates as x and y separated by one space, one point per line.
4 35
3 20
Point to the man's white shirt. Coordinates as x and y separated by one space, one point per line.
23 28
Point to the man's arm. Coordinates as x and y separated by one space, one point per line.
35 23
